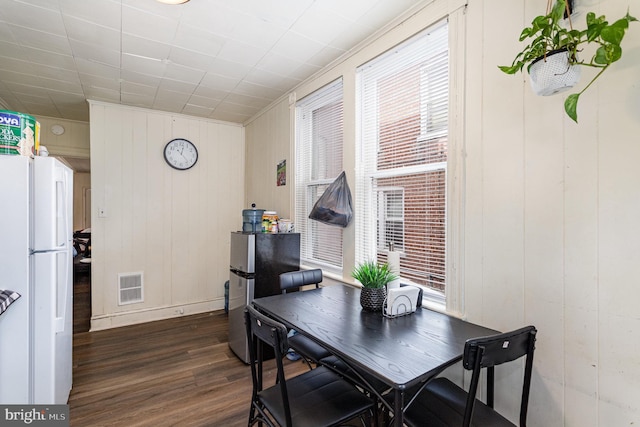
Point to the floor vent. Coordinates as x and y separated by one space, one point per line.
130 288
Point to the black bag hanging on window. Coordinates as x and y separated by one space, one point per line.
334 206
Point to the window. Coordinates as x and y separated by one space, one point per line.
401 169
390 218
318 163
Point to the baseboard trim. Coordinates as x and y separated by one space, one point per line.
134 317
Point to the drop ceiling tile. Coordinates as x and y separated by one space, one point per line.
212 16
197 110
25 15
90 52
282 13
277 64
229 117
203 101
255 31
303 71
143 65
102 12
325 56
176 86
139 46
5 33
17 77
59 74
225 67
314 24
183 74
198 40
16 65
241 99
207 92
293 45
41 40
378 16
156 8
190 58
39 56
230 107
170 101
350 37
64 87
102 94
13 50
137 100
352 10
259 91
91 33
241 53
138 89
147 25
97 84
42 98
92 68
216 81
41 110
262 78
66 98
136 77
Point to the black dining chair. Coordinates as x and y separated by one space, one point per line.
442 403
308 349
318 397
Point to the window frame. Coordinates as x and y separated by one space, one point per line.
429 295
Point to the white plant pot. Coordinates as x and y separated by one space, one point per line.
553 74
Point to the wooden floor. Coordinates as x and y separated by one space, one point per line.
81 300
176 372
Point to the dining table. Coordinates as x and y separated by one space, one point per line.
402 352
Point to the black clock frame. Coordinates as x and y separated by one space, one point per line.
164 153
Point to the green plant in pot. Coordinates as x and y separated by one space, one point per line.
549 37
374 278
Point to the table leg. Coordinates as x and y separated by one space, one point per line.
398 414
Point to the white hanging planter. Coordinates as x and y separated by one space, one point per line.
553 74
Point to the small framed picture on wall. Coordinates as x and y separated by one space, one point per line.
281 173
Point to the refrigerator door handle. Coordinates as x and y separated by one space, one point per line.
63 215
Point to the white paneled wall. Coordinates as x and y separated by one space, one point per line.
265 149
173 226
551 229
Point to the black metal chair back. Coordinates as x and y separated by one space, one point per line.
294 280
264 330
488 352
317 397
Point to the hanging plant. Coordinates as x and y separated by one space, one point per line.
548 36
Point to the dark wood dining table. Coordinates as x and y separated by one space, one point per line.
402 352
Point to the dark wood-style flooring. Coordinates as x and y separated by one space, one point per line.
176 372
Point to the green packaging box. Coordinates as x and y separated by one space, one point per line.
19 134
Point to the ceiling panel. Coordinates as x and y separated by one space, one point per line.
221 59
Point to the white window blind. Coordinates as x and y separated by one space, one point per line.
402 157
319 131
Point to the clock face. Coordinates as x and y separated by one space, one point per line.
180 154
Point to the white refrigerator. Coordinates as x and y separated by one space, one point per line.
36 259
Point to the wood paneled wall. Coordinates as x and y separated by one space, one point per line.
172 226
549 208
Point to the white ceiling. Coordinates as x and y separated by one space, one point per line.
222 59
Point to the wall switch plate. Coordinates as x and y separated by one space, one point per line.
102 212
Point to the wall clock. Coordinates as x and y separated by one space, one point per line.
180 154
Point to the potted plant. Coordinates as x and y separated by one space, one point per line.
374 278
549 38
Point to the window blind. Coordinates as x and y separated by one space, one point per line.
402 157
319 140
